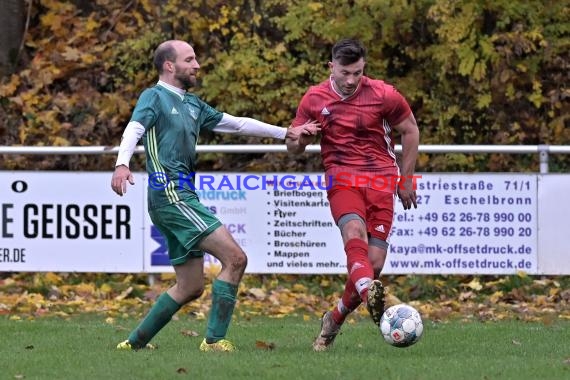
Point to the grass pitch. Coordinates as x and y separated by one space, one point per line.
269 348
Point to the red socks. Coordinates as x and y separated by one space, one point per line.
360 270
360 274
348 303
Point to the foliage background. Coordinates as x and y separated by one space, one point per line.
475 72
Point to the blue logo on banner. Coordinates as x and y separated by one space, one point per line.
160 255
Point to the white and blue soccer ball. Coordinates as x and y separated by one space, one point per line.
401 325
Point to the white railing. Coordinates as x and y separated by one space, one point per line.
542 150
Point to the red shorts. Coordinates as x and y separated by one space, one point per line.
375 207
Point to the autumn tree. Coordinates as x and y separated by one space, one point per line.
475 72
12 21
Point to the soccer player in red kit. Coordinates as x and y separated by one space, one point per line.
357 115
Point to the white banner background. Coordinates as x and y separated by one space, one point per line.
54 221
464 224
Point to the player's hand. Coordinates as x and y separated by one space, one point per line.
407 193
304 134
121 175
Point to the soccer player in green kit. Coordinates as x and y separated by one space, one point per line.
169 120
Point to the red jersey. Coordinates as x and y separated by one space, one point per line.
356 130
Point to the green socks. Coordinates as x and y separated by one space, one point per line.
158 316
223 303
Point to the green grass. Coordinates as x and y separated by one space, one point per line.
83 348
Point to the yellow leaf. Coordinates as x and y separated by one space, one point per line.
129 279
71 54
9 88
59 141
315 6
280 48
110 321
257 293
105 289
85 289
475 284
91 24
300 288
88 58
124 294
553 291
52 278
495 297
51 19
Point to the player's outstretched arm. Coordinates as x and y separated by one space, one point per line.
251 127
122 173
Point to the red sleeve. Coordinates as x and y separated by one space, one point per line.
396 108
303 111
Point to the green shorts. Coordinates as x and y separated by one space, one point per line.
184 224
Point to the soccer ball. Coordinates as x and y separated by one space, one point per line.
401 325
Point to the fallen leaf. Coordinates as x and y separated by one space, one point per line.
19 376
181 370
300 288
257 293
264 345
567 361
463 296
29 347
475 284
124 294
190 333
71 54
495 297
516 342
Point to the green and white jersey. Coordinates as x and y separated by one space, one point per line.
172 125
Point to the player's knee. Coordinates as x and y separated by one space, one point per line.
188 292
238 262
194 293
355 232
352 226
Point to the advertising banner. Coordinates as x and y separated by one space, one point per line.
464 224
467 223
69 222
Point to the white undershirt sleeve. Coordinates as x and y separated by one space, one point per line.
249 127
131 136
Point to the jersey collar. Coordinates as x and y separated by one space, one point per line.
178 91
342 97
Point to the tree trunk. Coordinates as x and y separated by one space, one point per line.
12 16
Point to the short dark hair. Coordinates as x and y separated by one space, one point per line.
164 52
348 51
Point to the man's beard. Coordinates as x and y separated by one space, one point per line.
185 80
